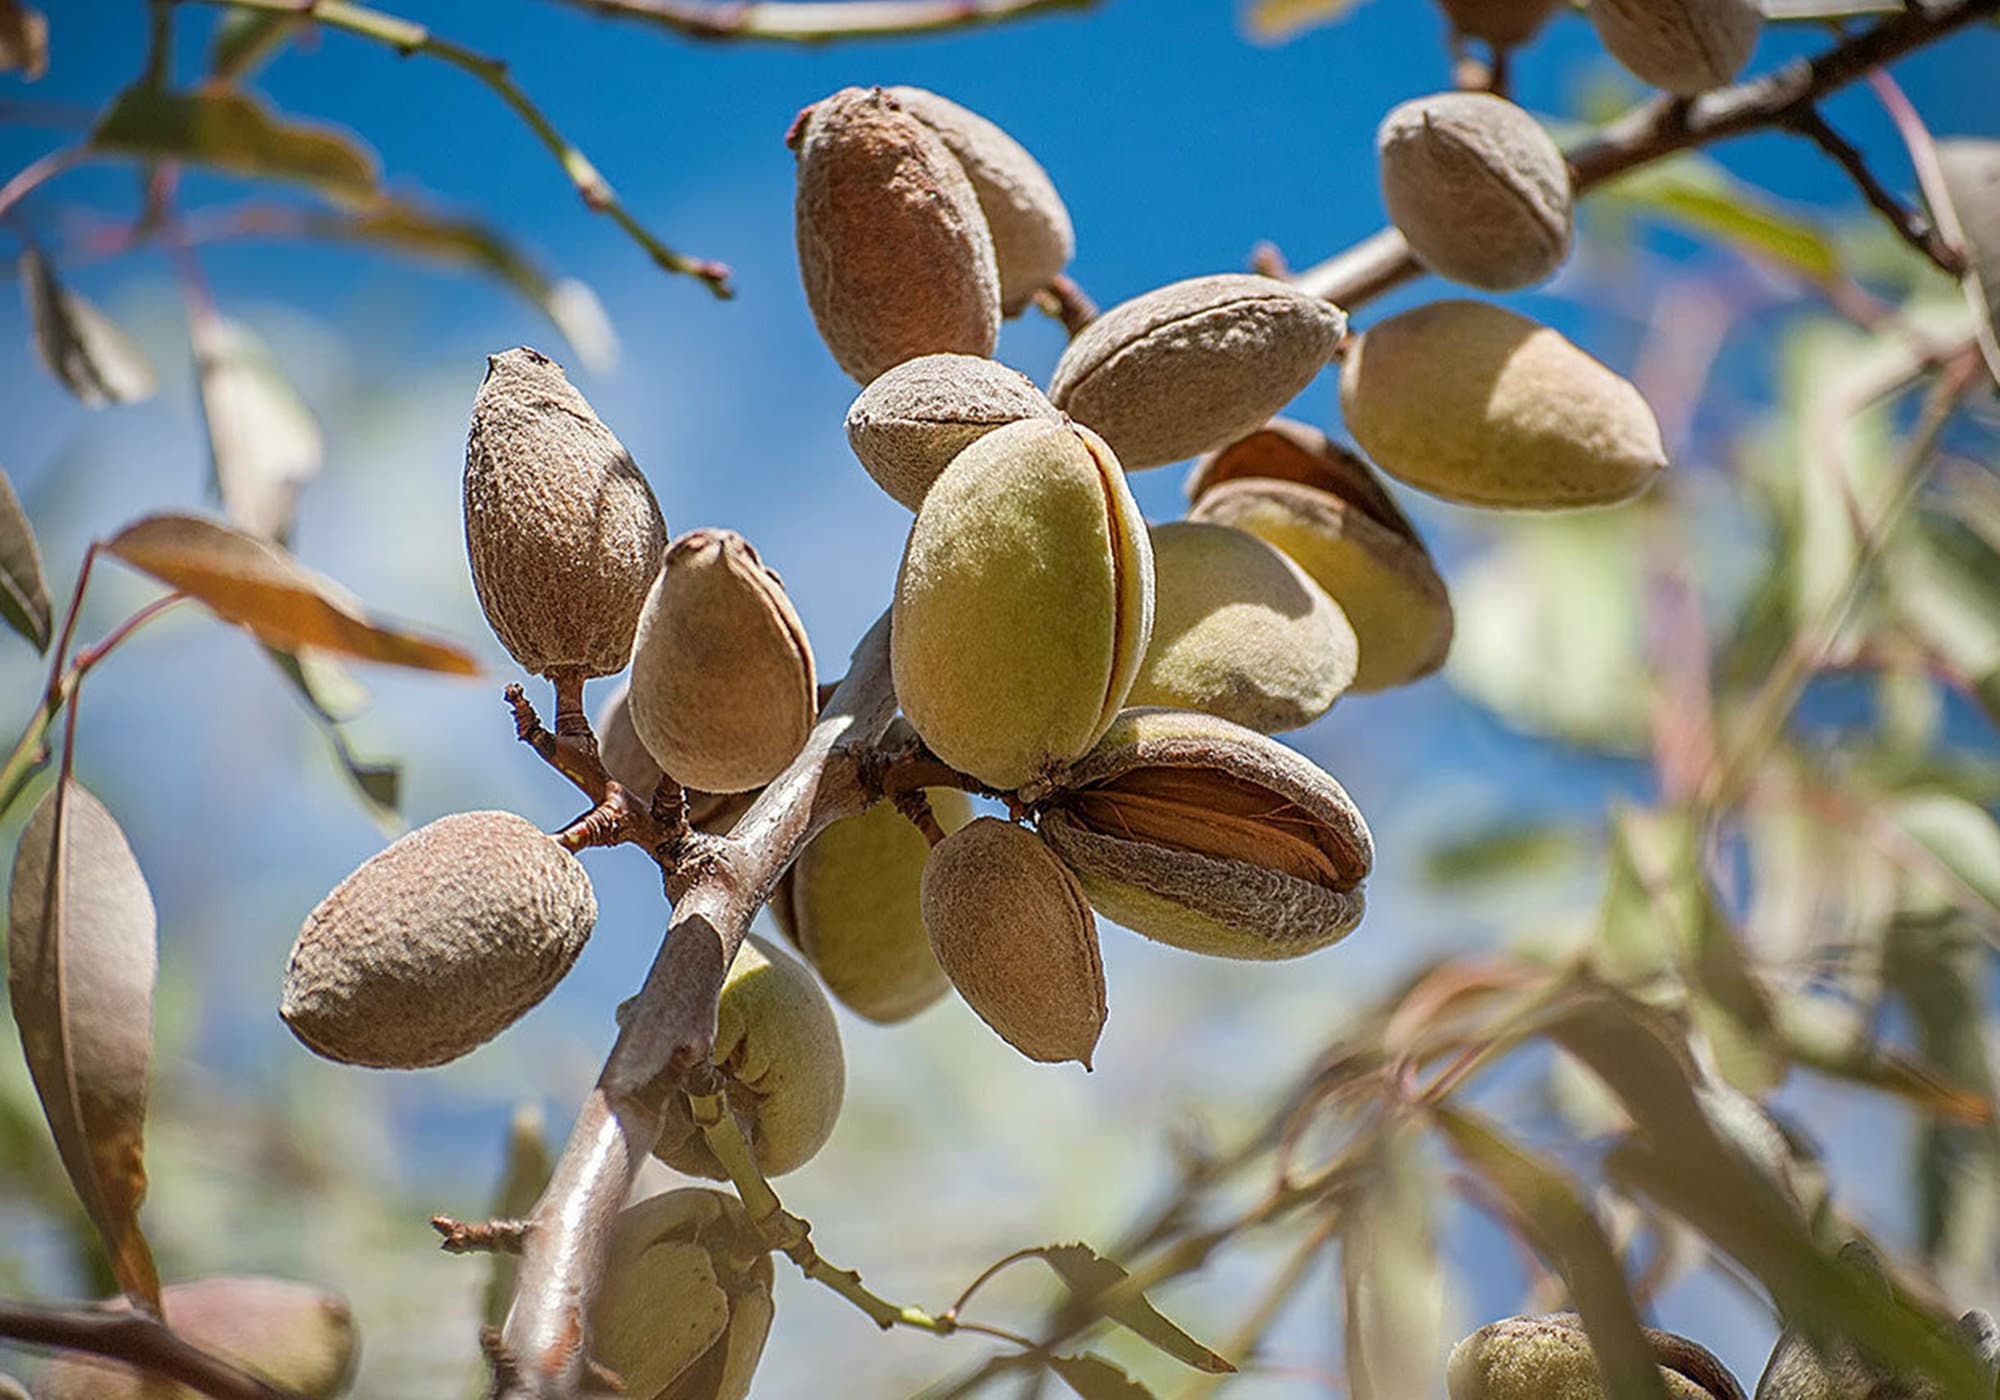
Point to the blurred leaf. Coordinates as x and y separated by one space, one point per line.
1891 1071
259 586
234 133
529 1165
1391 1283
24 40
1699 196
1964 839
1550 1209
11 1389
1094 1378
245 40
81 960
1822 10
1944 585
264 442
332 696
1508 848
1091 1276
1550 632
1270 21
24 592
411 229
81 346
1970 171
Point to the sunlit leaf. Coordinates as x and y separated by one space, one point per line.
24 40
259 586
80 344
529 1164
1091 1277
245 40
264 442
1963 838
24 592
1699 196
1094 1378
1548 1207
1970 169
1944 585
81 958
1391 1283
228 131
1270 21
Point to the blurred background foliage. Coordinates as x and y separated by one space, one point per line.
1832 939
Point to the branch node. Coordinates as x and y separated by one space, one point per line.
480 1236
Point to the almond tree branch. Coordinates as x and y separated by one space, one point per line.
1910 224
136 1339
821 21
668 1030
1666 125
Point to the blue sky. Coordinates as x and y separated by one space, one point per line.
1178 146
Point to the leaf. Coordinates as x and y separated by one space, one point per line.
1507 848
1969 170
24 40
261 587
1699 196
1270 21
529 1166
80 967
1550 1210
332 696
1094 1378
231 132
264 442
24 592
1392 1287
245 40
411 229
1944 586
1091 1277
1964 839
81 346
1780 11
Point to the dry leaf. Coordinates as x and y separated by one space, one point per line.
82 347
265 443
24 592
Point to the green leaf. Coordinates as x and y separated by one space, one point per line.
81 346
24 40
1944 586
244 40
1964 839
1509 848
264 443
1093 1279
1699 196
234 133
82 954
1094 1378
1272 21
1970 171
24 591
1550 1210
1392 1285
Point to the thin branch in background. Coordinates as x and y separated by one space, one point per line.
1067 302
136 1339
38 173
1913 227
802 22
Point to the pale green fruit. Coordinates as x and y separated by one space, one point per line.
1012 929
685 1306
562 531
894 250
1683 46
1477 404
1323 506
1032 238
907 426
723 689
1549 1358
1477 187
852 904
1239 631
1186 367
437 944
1208 836
778 1044
292 1335
1024 604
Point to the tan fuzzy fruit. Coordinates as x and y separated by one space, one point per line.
778 1044
1477 404
1970 169
292 1335
894 250
1502 23
1477 187
1032 238
723 689
1549 1358
1183 369
1013 931
626 760
1683 46
1239 631
1208 836
908 425
1323 506
562 531
437 944
851 904
685 1306
1024 602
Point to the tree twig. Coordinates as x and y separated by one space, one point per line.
1911 226
1666 125
821 21
136 1339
